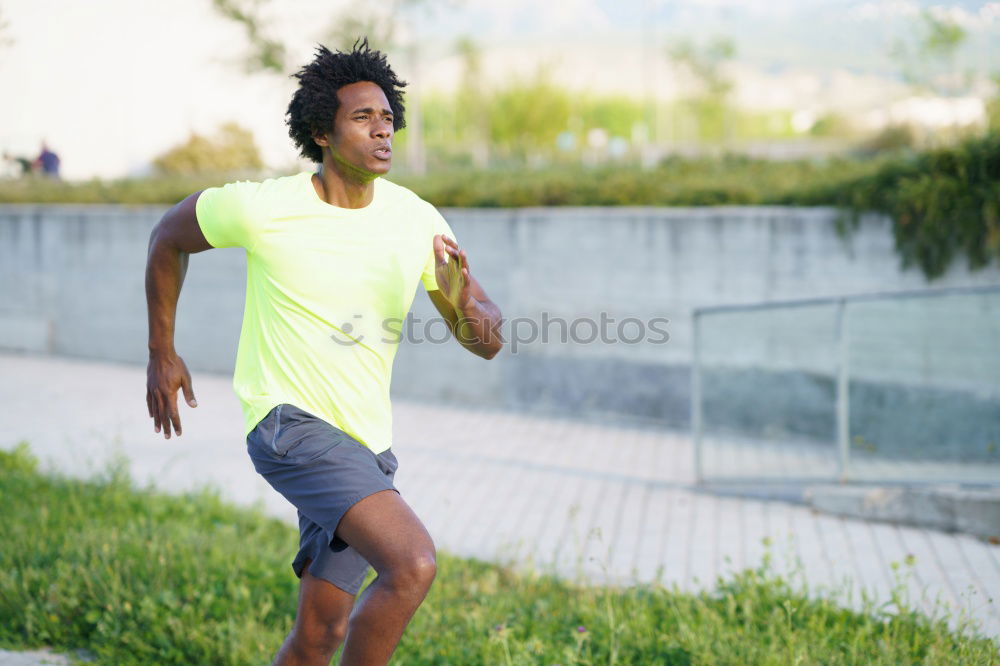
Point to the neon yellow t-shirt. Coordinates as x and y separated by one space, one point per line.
328 289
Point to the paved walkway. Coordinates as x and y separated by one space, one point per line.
612 504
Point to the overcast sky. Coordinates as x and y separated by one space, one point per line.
111 83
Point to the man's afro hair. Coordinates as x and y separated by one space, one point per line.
314 104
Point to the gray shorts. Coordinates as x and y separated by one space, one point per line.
322 471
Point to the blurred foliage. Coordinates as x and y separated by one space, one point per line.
709 119
379 22
928 63
511 128
892 138
676 181
993 106
705 63
472 105
266 54
522 123
126 191
5 40
772 124
832 124
527 114
232 149
944 202
345 30
707 102
617 115
942 36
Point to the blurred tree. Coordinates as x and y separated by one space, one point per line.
5 39
344 30
528 115
930 64
617 115
472 108
705 63
704 69
993 105
266 54
891 139
231 149
381 22
460 125
832 124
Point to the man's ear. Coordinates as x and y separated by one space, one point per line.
321 140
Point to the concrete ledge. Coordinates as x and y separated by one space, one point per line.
948 508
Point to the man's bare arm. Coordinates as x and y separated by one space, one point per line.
173 239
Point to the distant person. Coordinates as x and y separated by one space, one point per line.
334 258
47 162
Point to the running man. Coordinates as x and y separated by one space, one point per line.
333 261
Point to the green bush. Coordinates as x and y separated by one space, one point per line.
944 202
153 191
231 149
138 577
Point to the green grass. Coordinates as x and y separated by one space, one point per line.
138 577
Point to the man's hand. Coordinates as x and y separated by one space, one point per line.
473 318
165 374
453 276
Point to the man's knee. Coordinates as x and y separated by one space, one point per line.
318 638
415 572
322 620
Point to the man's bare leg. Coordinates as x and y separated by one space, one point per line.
320 623
387 533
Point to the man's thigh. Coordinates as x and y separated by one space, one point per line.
386 531
321 604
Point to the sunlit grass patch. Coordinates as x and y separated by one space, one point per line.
139 577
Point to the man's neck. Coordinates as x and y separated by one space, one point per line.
341 187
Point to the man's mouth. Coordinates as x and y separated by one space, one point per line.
383 152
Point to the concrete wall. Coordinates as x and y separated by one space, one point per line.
72 281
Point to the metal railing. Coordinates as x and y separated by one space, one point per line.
897 387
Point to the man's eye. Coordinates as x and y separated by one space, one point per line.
363 116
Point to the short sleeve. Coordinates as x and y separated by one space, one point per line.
228 215
440 226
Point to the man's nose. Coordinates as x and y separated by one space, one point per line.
383 130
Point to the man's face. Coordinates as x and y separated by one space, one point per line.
361 140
